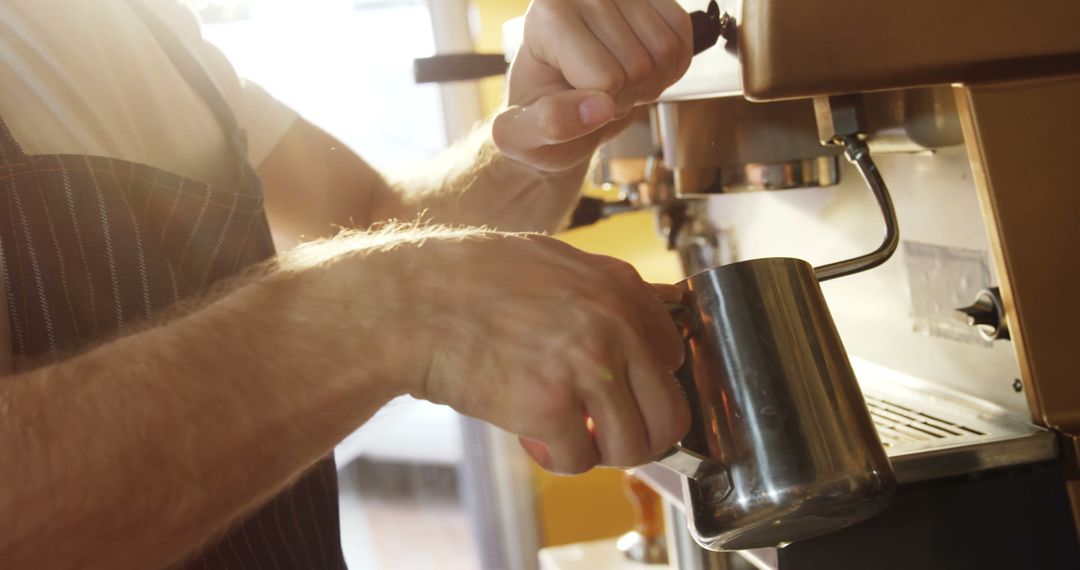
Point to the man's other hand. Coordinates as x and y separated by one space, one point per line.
571 351
582 66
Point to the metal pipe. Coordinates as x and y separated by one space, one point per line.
858 153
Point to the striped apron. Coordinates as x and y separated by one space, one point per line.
91 246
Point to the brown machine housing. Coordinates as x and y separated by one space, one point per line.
1015 69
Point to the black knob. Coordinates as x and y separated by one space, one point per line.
710 26
987 315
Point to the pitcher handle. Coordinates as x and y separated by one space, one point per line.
712 477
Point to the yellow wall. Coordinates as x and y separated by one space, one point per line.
589 506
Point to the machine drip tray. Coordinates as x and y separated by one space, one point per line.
929 432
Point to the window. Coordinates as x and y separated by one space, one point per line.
346 65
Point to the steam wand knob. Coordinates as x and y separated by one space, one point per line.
710 25
987 315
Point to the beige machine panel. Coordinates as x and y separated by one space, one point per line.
1023 154
1024 160
796 48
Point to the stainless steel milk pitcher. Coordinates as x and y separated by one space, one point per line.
781 445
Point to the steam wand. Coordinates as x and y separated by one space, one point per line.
841 121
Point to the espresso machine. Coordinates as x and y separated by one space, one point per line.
962 339
947 133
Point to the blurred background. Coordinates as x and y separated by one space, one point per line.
418 469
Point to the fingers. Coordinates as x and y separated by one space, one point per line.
563 444
634 46
611 364
651 349
657 326
619 428
660 401
630 50
557 34
527 133
663 44
636 406
637 414
679 21
650 50
615 33
607 22
653 320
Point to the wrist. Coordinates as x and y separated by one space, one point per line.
346 306
544 198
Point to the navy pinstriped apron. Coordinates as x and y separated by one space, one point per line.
92 246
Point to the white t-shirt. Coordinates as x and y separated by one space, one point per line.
88 77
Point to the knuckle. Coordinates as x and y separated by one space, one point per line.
593 350
610 80
579 462
632 452
545 8
684 25
625 269
549 409
674 427
670 434
596 369
653 90
668 49
638 68
613 309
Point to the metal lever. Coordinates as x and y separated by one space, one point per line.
687 463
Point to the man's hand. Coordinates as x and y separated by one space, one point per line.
535 337
582 66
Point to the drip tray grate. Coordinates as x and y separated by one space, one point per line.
928 431
898 425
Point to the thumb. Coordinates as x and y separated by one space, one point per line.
558 118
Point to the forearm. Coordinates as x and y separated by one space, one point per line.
474 184
315 186
136 453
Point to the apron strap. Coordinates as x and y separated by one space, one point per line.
10 150
197 77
